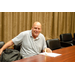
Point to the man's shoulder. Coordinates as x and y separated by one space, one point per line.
41 35
26 32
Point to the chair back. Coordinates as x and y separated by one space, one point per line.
74 35
66 37
1 44
17 47
53 44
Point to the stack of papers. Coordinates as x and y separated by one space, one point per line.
50 54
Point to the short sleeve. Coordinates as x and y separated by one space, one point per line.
18 39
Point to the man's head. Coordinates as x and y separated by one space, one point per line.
36 29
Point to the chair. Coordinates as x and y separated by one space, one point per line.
66 40
53 44
74 36
17 47
74 39
1 44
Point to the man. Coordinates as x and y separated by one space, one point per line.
32 42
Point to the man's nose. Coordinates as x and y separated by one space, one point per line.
37 29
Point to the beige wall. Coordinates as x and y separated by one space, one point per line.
53 23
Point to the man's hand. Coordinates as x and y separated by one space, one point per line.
48 50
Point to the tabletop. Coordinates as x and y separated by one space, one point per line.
67 55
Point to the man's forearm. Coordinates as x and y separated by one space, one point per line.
8 44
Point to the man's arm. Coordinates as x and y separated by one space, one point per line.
8 44
47 50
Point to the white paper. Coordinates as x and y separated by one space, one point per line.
50 54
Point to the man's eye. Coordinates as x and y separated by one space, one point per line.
38 28
35 28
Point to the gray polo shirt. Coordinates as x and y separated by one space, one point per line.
29 45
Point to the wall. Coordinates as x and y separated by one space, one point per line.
53 23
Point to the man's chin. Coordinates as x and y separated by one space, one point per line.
36 35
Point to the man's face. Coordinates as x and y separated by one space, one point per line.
36 29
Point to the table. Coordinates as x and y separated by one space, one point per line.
68 55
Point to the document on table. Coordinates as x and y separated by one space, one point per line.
51 54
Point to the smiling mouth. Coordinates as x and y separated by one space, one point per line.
36 32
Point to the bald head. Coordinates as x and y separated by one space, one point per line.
37 23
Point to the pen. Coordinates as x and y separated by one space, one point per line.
45 52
